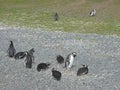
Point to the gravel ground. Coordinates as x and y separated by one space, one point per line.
101 54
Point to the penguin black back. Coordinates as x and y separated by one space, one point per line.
43 66
20 55
82 71
28 60
60 59
56 74
31 51
56 16
11 50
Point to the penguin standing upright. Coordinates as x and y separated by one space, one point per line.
11 50
69 60
56 17
31 51
28 60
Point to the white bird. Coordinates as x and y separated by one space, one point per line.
69 60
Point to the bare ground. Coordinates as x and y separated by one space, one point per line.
101 54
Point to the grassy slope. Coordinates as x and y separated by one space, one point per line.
73 15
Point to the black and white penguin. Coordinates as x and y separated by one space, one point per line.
93 12
70 59
60 59
20 55
56 17
29 60
56 74
31 51
42 66
82 71
11 50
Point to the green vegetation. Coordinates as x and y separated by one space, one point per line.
73 15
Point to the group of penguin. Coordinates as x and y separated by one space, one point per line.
91 14
29 59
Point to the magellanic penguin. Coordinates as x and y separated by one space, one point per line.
60 59
31 51
69 60
56 17
56 74
43 66
11 50
29 60
93 12
82 71
20 55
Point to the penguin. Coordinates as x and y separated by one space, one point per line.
56 17
69 60
43 66
56 74
93 12
28 60
20 55
60 59
82 71
11 50
31 51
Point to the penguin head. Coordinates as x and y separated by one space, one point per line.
94 9
74 54
11 42
85 65
32 50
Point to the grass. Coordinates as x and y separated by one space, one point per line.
73 15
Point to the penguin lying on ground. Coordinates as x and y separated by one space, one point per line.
43 66
20 55
11 50
82 71
69 60
56 74
60 59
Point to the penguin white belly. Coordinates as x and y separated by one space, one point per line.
71 62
